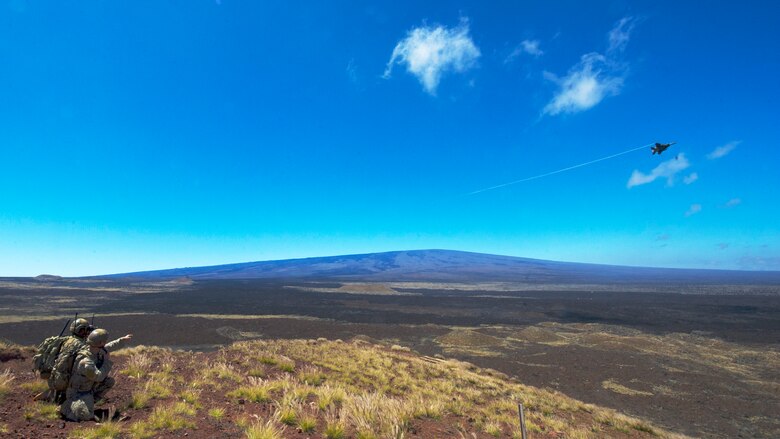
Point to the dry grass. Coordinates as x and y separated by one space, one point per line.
267 430
6 377
164 418
138 365
41 411
35 387
217 413
106 430
623 390
378 392
340 389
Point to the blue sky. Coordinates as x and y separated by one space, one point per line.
146 135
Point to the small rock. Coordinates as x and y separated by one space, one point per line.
241 401
62 425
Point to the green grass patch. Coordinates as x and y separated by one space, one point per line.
41 411
164 418
107 430
35 387
264 431
307 424
217 413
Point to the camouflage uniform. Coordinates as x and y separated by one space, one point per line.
89 380
103 387
76 342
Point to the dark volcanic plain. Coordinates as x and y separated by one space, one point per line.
700 358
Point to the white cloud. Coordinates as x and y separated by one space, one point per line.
530 47
667 169
721 151
595 77
586 84
693 210
620 34
733 202
429 52
690 178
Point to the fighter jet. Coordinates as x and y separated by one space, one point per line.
660 147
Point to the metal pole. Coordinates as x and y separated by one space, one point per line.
523 433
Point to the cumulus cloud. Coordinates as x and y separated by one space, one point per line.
693 210
722 151
429 52
690 178
733 202
530 47
594 78
667 170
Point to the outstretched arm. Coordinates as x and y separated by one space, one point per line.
113 345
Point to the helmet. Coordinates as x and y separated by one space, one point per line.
97 338
79 325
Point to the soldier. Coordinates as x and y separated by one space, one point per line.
61 358
89 380
79 329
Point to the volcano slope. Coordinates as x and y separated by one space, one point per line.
307 388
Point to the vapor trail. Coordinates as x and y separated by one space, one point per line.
559 170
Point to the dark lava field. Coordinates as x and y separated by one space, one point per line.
697 359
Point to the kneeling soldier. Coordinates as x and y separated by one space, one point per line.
89 379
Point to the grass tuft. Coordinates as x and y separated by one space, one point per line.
307 423
138 365
5 382
268 430
35 387
106 430
165 418
41 411
217 413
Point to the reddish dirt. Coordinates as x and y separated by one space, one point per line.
12 407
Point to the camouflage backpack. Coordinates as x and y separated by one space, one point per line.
63 365
46 355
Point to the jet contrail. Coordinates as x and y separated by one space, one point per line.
559 170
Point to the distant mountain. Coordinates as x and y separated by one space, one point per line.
451 266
